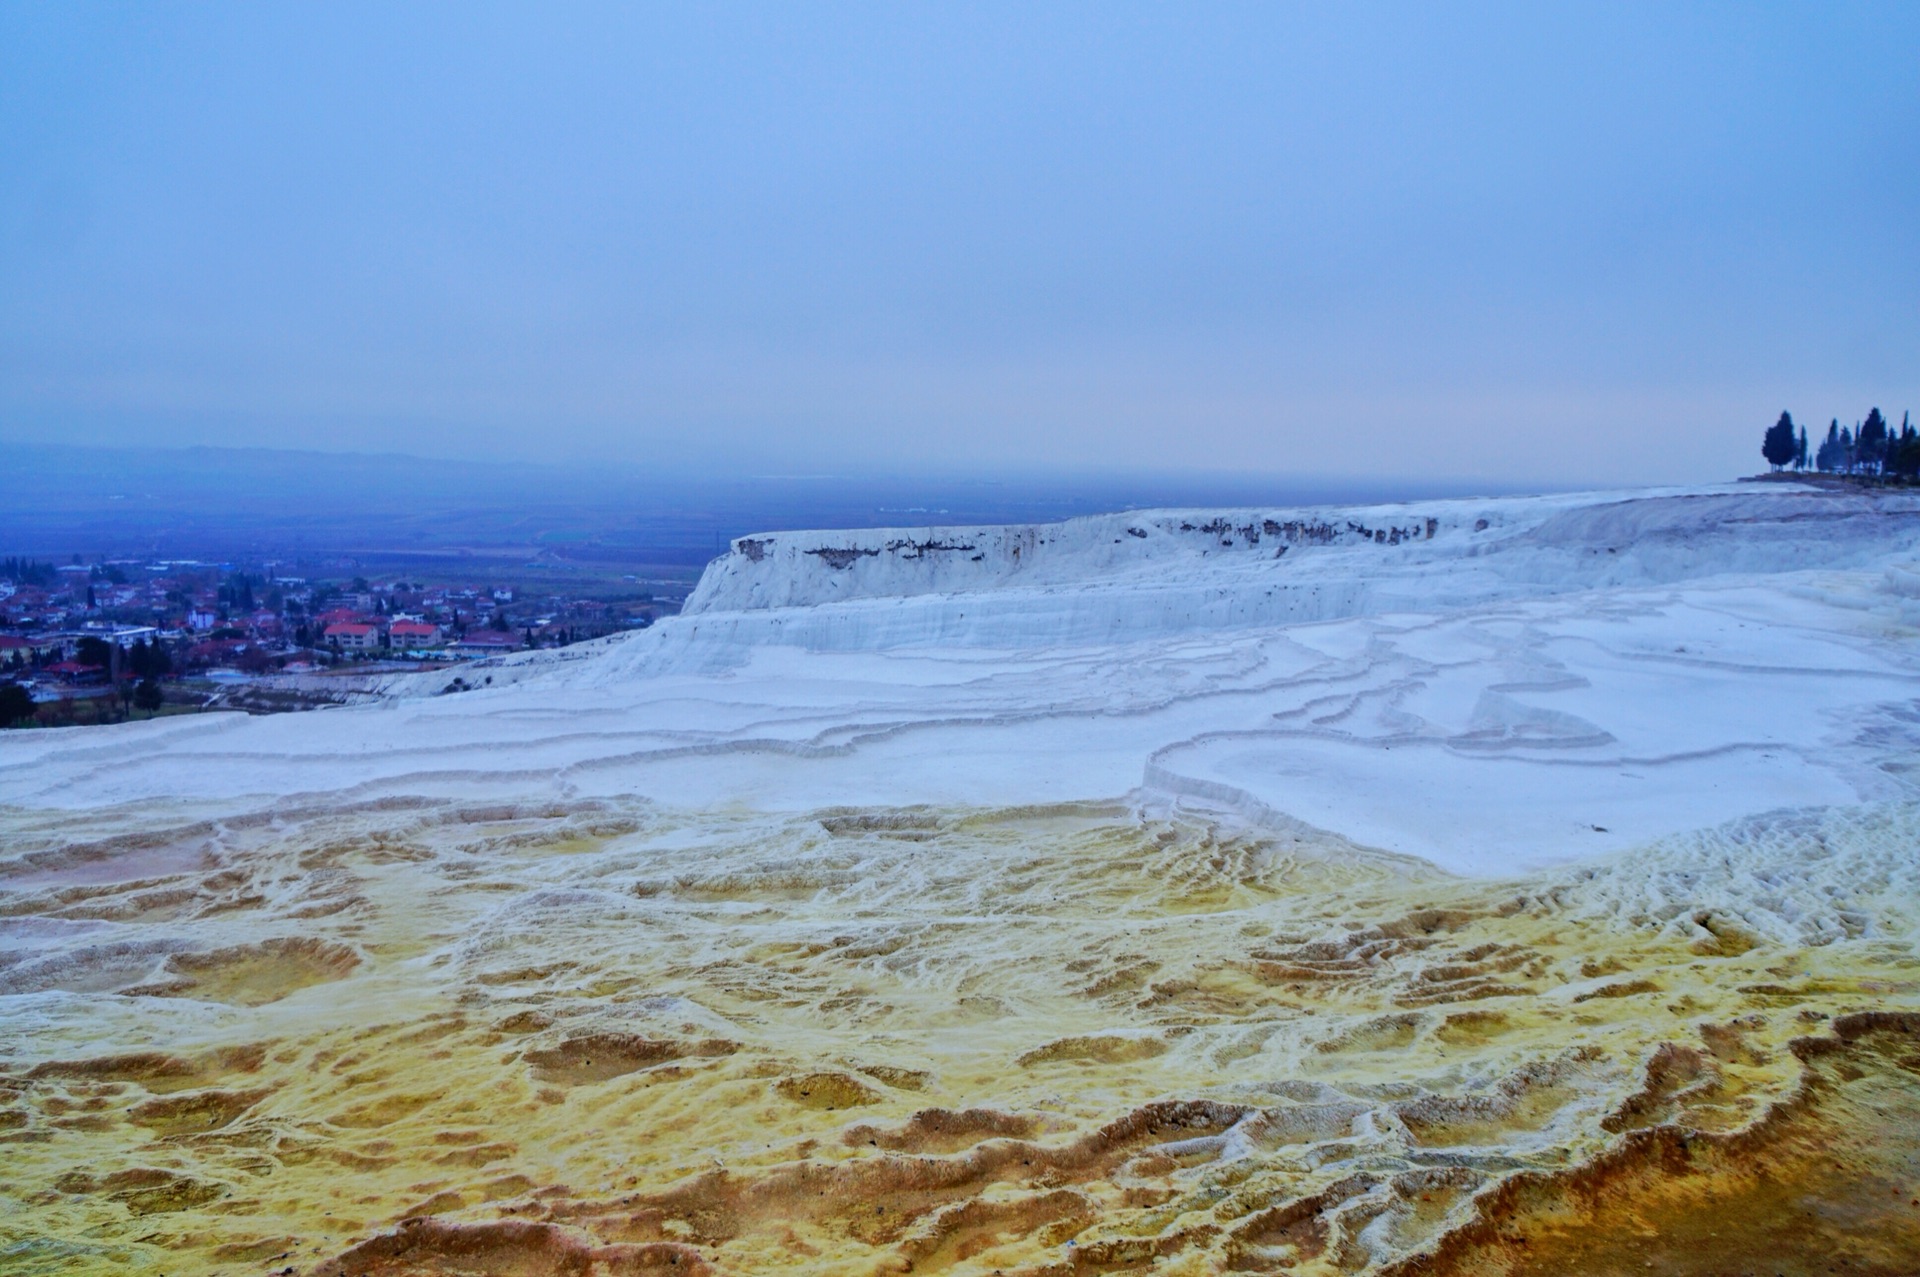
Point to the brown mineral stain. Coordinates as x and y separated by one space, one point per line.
1045 1041
1827 1182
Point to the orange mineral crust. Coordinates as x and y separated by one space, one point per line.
434 1037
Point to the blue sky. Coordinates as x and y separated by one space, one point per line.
1532 243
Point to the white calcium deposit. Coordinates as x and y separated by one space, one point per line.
1357 891
1493 686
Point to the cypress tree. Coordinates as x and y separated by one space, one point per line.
1827 459
1903 454
16 703
1871 444
1778 446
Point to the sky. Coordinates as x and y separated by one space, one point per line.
1558 244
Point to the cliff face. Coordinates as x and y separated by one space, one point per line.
804 569
1154 573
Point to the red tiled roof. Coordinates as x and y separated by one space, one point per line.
491 638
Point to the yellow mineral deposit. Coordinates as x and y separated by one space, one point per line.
421 1037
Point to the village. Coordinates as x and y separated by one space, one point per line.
111 639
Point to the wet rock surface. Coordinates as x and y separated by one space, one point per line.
1072 1039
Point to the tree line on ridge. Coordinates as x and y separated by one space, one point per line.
1873 448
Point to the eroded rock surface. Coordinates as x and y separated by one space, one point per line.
1076 1039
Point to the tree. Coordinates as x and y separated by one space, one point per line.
1800 451
1870 445
149 659
93 651
1827 457
16 703
147 696
1779 446
1903 454
140 658
27 572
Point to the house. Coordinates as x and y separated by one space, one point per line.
486 643
216 651
31 648
354 636
76 673
121 634
341 616
415 634
202 619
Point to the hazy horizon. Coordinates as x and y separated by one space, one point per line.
1358 482
58 499
1498 245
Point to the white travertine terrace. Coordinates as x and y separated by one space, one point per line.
1490 685
1372 891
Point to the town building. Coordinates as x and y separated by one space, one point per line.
354 636
486 643
37 647
76 673
415 634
